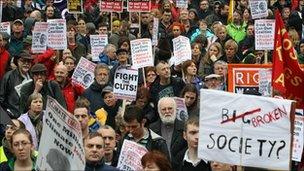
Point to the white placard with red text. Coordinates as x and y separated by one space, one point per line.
57 38
264 34
141 53
181 49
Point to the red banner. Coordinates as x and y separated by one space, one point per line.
139 5
287 76
111 5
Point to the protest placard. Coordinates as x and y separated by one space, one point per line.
125 83
1 10
182 4
75 6
181 49
61 146
130 156
264 34
18 87
244 78
5 27
255 134
141 53
155 31
84 73
297 146
139 5
265 88
39 39
111 5
98 42
57 38
258 8
181 109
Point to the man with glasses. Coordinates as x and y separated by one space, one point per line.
40 85
12 83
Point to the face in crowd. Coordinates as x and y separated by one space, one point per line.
22 145
167 110
102 76
108 135
163 70
94 149
82 115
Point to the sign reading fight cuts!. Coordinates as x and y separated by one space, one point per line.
125 83
139 5
245 130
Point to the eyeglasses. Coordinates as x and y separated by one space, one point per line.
22 144
25 60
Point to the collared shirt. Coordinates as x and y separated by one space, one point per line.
194 163
143 141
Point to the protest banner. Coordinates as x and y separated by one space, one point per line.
130 156
84 73
75 6
265 88
155 31
297 147
111 5
5 27
264 34
258 8
97 42
141 53
181 109
18 87
181 49
57 38
182 4
125 83
61 146
255 134
244 78
39 39
139 5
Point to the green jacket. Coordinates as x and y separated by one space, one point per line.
238 33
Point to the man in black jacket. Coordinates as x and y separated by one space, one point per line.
40 85
137 132
168 126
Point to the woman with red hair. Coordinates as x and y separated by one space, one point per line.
156 161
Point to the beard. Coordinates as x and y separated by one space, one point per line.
167 120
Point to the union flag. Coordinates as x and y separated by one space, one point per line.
287 76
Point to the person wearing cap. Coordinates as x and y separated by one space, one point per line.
17 36
213 81
101 80
12 82
70 91
4 57
40 85
111 106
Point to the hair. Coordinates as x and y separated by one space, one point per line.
148 69
190 88
180 25
107 127
143 92
103 25
231 43
186 64
221 62
108 47
22 131
82 102
32 97
206 58
93 135
123 40
158 158
199 46
193 120
220 28
165 99
22 125
159 63
133 112
101 66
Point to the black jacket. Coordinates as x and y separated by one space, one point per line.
93 94
178 143
155 142
49 88
9 99
101 166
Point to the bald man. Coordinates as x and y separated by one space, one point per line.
70 91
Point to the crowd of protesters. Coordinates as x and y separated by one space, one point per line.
27 78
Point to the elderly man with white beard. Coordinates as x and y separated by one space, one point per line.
169 127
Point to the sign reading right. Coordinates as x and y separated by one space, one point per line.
255 134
